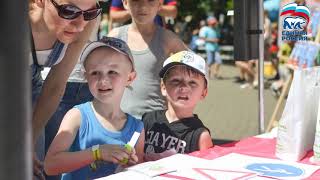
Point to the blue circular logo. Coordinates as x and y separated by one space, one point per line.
275 170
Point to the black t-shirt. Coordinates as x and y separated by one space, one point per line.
182 135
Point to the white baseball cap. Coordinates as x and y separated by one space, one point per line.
111 42
186 58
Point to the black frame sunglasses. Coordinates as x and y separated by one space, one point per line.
69 11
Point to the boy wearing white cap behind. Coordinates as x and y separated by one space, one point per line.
184 83
92 137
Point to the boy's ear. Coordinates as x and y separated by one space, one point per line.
204 93
125 4
163 88
131 77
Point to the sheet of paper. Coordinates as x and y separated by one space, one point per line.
166 165
152 169
230 167
126 175
266 167
237 166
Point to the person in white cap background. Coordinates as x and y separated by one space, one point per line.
91 138
211 36
184 83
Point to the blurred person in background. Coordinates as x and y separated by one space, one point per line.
210 35
249 69
120 16
284 72
197 42
150 45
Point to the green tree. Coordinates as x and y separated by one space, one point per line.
199 9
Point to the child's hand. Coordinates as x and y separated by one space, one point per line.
152 157
117 154
157 156
133 158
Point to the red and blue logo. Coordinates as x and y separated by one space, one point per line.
299 16
295 10
296 19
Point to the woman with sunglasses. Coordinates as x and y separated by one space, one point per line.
60 29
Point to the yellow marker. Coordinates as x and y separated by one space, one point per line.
129 148
130 145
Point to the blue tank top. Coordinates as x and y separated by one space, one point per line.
90 133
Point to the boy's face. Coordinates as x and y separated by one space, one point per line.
142 11
183 88
108 73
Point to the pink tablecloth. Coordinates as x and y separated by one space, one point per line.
260 147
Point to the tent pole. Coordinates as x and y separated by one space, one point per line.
15 93
260 68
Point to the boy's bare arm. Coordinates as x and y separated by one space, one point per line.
140 147
205 141
58 159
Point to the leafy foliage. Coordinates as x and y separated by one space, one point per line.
199 9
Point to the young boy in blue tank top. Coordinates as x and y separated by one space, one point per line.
90 142
184 83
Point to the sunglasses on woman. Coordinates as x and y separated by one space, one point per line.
69 11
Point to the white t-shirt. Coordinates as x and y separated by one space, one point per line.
42 57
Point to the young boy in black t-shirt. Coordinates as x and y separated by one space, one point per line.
184 83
